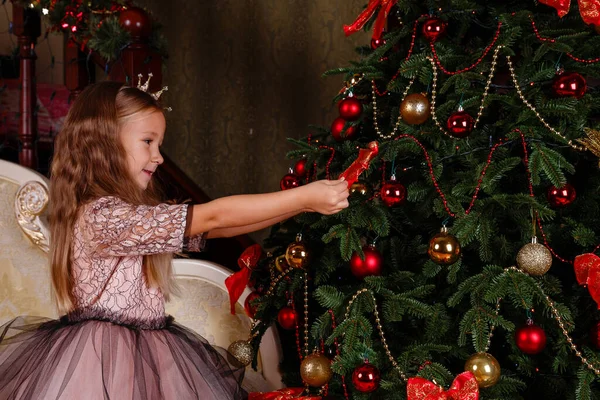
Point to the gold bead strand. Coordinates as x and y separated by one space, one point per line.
433 96
487 85
305 314
537 114
375 123
491 334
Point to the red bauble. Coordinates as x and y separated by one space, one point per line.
350 109
569 84
287 318
300 168
289 181
365 378
248 307
375 43
393 193
136 21
530 339
561 197
460 124
337 130
595 335
370 266
433 29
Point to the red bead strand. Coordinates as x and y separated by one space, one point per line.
550 40
337 351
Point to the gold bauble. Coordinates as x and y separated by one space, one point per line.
415 109
315 370
485 368
534 258
360 188
296 254
241 352
444 248
281 264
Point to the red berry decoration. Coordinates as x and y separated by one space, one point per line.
530 339
569 84
136 21
561 197
433 29
375 43
300 168
393 193
460 124
350 109
337 130
365 378
289 181
249 307
287 318
370 266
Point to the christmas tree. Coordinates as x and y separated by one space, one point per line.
465 263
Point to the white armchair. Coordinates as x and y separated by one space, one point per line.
25 279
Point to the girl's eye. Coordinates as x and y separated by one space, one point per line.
148 141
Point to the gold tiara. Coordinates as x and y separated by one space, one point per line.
144 88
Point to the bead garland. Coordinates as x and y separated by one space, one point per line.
375 123
550 40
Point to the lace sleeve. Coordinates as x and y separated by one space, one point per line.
116 228
194 243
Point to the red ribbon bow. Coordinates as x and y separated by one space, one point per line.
589 9
464 387
368 12
365 156
587 271
237 282
282 394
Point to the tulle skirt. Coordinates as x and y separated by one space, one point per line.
95 359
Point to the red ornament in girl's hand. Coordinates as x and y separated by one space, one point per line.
287 318
561 197
530 339
350 109
460 124
569 84
370 266
433 29
337 130
289 181
365 378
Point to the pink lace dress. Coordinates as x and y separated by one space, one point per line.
117 343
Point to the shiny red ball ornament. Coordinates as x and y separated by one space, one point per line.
350 109
433 29
249 307
370 266
561 197
287 318
365 378
530 339
136 21
337 130
569 84
595 336
300 168
460 124
289 181
393 193
375 43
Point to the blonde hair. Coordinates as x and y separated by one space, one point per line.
90 162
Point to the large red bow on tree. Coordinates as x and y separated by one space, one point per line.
358 166
589 9
385 6
237 282
587 271
282 394
464 387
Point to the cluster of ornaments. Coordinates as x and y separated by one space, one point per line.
350 110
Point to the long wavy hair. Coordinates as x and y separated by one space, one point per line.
90 162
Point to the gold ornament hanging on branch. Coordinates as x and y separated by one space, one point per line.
592 142
534 258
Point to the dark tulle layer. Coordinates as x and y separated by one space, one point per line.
93 359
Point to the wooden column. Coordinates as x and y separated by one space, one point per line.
27 28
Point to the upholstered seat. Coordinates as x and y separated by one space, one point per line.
25 280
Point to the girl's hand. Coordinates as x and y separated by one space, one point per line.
326 197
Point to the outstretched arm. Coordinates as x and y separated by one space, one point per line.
234 215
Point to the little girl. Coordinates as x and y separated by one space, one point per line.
110 260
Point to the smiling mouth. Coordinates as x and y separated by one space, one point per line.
148 172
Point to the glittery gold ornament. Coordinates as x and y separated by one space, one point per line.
415 109
485 368
296 254
242 352
444 248
360 188
281 264
315 370
534 258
